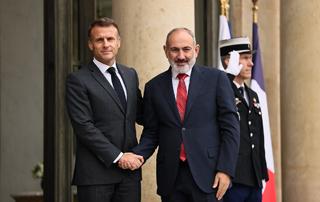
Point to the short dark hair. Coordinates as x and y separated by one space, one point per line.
103 22
223 60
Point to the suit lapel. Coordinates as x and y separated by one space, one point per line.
96 73
196 81
165 83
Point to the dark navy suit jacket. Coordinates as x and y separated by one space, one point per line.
210 129
251 166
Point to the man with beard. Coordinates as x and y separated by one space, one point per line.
190 113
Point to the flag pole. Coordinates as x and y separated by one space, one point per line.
255 11
227 7
222 9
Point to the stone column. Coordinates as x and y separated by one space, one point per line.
300 100
144 26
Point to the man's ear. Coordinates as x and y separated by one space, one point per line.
227 61
90 44
196 50
119 42
165 51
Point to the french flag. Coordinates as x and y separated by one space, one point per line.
224 33
257 84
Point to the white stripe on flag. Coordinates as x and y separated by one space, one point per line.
266 125
224 33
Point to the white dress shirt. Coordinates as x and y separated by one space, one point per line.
175 81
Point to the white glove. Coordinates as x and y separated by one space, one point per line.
234 68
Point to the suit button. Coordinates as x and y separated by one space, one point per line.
183 129
251 134
252 146
249 111
249 123
259 113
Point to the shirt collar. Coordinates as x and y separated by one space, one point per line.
103 67
238 86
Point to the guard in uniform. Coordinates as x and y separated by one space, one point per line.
251 169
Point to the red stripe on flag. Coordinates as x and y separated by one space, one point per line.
269 194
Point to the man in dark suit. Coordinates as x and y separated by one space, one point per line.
190 113
251 167
104 102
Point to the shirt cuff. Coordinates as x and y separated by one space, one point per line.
117 159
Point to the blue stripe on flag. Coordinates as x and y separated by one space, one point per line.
257 72
230 30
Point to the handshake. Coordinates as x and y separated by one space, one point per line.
130 161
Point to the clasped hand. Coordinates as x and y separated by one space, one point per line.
130 161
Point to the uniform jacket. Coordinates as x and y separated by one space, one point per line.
101 126
210 129
251 166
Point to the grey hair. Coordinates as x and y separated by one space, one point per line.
186 29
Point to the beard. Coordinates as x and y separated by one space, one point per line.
182 69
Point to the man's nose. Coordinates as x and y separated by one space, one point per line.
251 63
105 43
180 55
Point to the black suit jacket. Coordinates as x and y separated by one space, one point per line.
251 166
210 129
101 126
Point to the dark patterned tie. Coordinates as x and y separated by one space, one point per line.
181 104
241 91
118 87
